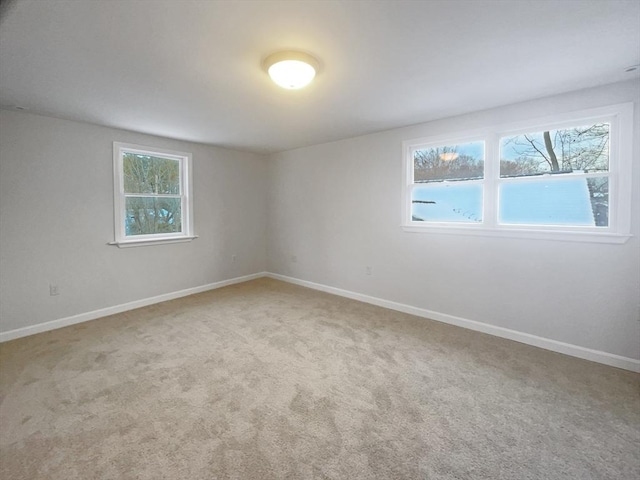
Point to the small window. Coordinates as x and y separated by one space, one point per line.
152 195
566 177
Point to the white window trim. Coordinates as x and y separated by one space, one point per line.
620 163
185 159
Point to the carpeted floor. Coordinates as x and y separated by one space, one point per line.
266 380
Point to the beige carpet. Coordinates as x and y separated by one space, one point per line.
266 380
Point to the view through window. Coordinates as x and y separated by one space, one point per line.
152 190
556 177
572 176
448 182
152 194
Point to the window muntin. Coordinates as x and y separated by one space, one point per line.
447 183
585 198
152 195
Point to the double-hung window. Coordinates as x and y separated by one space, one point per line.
566 178
556 177
448 182
152 189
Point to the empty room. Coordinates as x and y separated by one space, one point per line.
337 239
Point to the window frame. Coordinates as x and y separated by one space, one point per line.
620 118
186 204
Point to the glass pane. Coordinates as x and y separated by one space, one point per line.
147 174
149 215
447 202
574 201
449 162
584 149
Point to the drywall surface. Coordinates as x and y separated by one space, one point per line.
336 208
56 218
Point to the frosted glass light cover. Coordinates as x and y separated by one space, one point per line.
291 69
292 74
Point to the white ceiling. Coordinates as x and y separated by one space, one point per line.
191 69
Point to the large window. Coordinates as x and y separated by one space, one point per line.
152 195
566 178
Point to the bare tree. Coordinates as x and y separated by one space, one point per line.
445 163
148 177
562 151
578 148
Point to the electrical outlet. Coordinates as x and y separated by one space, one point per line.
294 259
53 290
368 270
234 257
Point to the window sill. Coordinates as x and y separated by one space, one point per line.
528 234
146 242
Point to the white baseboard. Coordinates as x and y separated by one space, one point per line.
103 312
541 342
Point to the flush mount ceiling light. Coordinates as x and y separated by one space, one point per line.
291 70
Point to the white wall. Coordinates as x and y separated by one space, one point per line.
336 207
56 217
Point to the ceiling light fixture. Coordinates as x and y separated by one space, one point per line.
291 70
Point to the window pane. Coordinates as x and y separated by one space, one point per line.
566 201
149 215
449 162
447 202
584 148
147 174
